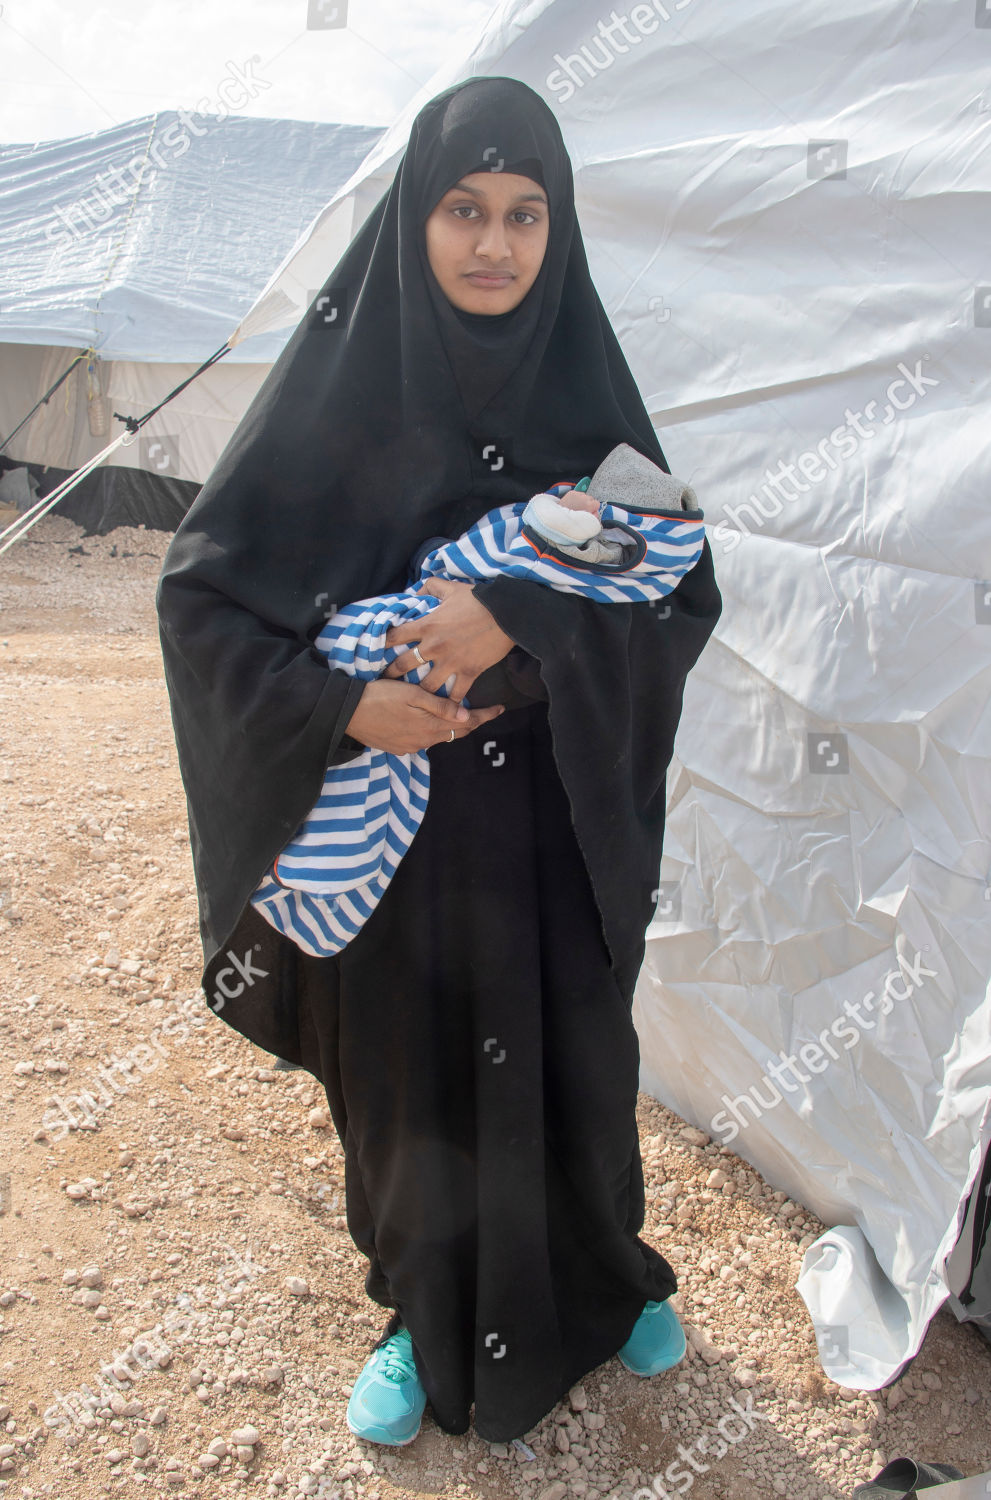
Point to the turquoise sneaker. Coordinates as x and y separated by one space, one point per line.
656 1343
388 1400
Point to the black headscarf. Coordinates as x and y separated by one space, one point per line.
391 417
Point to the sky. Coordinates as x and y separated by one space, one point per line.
69 67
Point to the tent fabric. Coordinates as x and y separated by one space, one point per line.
148 240
785 222
108 497
182 442
969 1267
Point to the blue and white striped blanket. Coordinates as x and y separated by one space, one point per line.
328 880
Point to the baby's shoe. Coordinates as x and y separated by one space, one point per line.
558 524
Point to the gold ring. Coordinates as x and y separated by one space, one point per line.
416 653
452 734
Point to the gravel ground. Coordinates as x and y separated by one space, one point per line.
181 1306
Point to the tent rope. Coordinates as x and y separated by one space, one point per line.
23 523
133 424
47 396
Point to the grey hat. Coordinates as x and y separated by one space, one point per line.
626 478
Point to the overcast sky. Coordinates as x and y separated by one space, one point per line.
68 67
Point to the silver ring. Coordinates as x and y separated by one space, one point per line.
452 734
416 653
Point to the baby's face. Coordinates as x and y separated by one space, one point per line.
579 500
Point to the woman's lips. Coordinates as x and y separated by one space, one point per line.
482 278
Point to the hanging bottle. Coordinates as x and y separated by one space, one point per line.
97 408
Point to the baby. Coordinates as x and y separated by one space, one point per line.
572 519
633 548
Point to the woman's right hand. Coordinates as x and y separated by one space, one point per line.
402 718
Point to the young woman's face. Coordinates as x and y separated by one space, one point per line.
486 240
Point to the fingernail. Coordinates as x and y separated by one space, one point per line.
462 714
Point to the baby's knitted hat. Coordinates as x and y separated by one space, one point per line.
626 478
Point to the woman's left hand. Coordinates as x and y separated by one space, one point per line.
459 637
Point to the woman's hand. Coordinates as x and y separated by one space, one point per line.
459 637
402 717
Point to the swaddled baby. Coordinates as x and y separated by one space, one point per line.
630 542
571 519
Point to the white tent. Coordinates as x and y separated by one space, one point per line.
146 243
784 216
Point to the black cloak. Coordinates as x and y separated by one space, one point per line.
386 420
475 1038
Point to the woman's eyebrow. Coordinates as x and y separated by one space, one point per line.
463 187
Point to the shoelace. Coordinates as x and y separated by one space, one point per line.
397 1362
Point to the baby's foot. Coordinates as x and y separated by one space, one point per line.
579 500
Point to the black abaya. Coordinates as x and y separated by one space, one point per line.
481 1066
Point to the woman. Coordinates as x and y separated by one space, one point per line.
475 1038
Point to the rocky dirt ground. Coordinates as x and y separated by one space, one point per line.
181 1306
